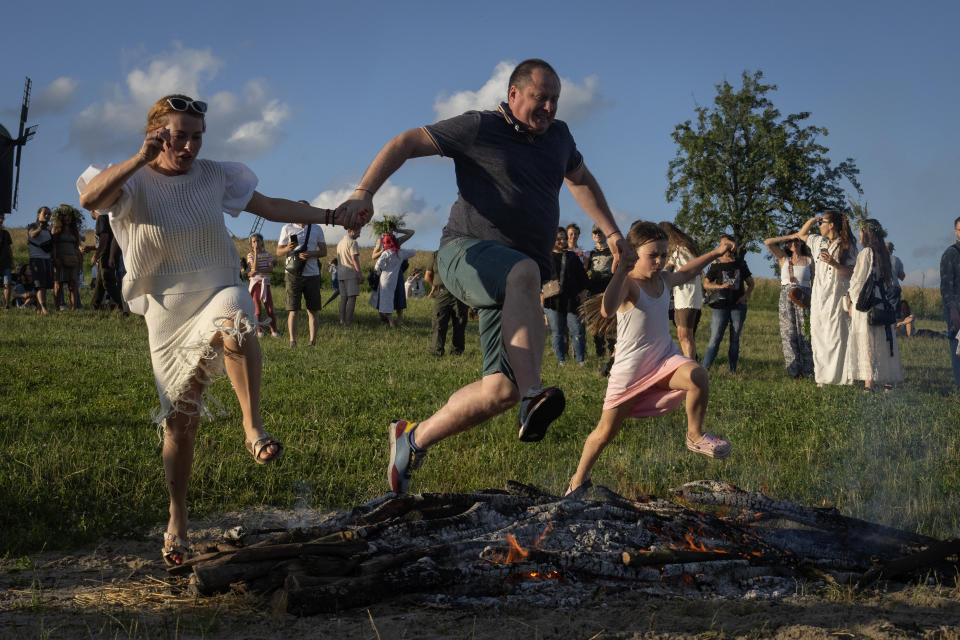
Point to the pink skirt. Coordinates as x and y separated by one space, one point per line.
653 400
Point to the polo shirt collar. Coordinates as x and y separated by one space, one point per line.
518 126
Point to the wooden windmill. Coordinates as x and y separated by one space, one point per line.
10 150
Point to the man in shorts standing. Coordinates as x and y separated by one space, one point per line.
302 273
348 274
494 251
39 248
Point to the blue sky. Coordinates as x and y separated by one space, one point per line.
306 95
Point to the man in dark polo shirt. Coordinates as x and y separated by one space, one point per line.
510 164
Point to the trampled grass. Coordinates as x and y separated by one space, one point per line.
81 457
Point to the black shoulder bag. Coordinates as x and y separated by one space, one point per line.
295 264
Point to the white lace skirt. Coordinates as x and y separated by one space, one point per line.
181 327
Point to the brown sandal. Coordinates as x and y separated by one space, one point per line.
177 552
257 448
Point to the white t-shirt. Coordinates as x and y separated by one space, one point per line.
316 239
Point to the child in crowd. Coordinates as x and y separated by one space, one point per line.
650 375
260 263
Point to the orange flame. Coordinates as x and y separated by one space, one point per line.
543 536
515 552
540 575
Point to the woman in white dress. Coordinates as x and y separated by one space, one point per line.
687 298
389 258
834 252
166 209
873 354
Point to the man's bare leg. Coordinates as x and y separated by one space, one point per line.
467 407
292 327
522 324
524 335
312 323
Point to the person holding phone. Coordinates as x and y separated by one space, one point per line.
301 245
166 209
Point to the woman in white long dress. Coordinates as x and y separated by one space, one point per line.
834 252
166 210
873 354
389 257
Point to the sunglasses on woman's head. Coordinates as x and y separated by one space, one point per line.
179 104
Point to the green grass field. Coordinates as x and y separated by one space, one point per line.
81 457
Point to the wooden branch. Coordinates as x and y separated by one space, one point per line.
933 555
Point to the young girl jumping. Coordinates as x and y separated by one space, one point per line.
650 375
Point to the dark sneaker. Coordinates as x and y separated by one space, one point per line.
403 459
538 410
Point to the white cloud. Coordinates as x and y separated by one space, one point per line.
54 97
577 101
390 199
239 126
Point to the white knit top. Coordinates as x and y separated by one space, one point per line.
171 229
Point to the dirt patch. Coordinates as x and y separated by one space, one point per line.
120 589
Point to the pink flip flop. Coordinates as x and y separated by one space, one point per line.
710 445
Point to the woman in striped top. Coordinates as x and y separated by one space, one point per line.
260 263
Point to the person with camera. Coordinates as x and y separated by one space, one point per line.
40 252
301 245
796 274
873 352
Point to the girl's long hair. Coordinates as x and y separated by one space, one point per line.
873 235
678 238
847 243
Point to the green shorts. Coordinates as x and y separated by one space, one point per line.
309 287
475 272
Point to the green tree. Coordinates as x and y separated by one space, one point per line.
744 169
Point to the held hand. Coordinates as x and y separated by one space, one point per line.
623 252
725 285
304 255
153 144
355 211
